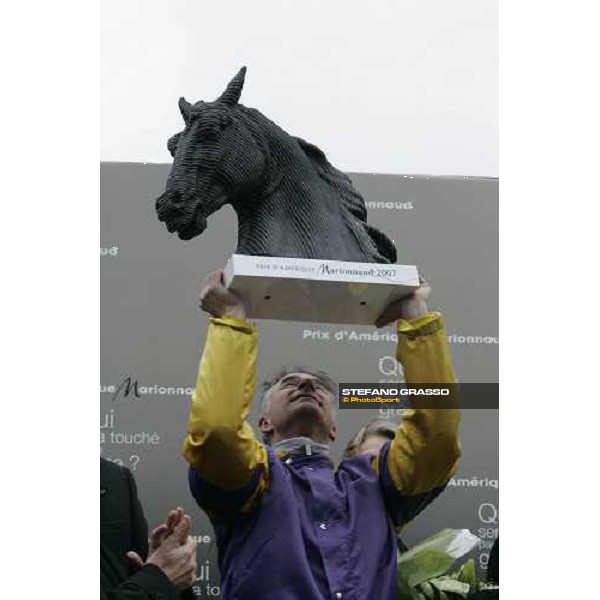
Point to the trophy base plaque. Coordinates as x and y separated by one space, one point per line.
320 291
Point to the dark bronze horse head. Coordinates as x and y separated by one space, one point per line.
289 199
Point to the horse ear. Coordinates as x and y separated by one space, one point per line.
184 107
232 94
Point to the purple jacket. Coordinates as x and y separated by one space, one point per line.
291 526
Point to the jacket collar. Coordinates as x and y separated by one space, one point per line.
300 445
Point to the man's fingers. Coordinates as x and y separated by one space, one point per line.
173 520
158 535
135 558
424 289
390 313
174 517
170 517
396 309
182 530
213 279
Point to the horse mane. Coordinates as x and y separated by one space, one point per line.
340 182
351 198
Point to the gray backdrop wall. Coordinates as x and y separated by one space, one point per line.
152 334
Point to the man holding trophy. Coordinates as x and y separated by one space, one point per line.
289 524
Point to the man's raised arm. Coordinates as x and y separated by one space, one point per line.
228 465
424 454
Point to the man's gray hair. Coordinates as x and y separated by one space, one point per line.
379 427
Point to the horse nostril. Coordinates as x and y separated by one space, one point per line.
175 196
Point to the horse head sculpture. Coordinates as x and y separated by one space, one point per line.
290 201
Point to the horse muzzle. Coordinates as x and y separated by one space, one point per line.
187 215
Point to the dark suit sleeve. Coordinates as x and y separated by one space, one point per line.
139 526
149 575
149 583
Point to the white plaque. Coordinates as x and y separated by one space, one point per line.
325 291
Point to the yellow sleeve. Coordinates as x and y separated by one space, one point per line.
220 445
425 452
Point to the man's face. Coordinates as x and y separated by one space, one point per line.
299 404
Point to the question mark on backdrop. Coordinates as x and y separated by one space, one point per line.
134 460
488 513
